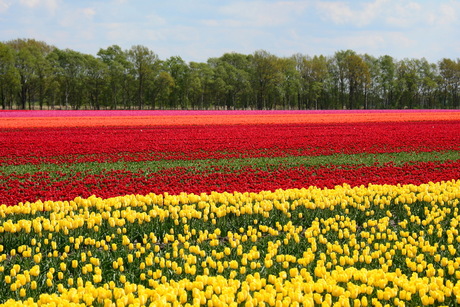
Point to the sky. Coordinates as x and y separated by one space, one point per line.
197 30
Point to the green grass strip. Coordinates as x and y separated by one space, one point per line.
366 159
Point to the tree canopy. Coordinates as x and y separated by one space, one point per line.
36 75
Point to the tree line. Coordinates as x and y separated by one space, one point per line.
36 75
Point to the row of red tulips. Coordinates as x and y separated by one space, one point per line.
110 183
110 144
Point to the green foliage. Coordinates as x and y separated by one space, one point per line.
264 163
36 75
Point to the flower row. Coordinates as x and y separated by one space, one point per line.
110 144
380 244
58 185
23 119
430 113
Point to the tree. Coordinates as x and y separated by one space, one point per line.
338 69
358 77
232 80
70 74
450 81
145 65
222 86
33 67
9 76
180 72
201 85
386 79
266 77
24 63
119 76
314 72
407 81
372 98
428 85
34 74
352 78
95 80
160 91
288 88
43 68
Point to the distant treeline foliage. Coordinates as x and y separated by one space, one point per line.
35 75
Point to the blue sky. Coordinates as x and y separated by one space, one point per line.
200 29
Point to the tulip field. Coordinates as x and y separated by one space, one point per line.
230 208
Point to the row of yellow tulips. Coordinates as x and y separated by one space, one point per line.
376 244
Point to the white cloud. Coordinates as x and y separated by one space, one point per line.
72 19
121 32
197 30
398 40
394 13
50 5
30 3
4 5
88 12
155 20
258 13
340 12
405 14
445 15
375 43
